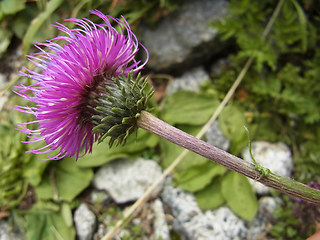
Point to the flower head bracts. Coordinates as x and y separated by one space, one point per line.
72 76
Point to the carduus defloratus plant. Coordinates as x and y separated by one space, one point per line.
89 88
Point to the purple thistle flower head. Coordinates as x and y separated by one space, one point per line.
73 75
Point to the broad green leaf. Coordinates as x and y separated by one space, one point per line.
210 197
34 169
64 181
12 6
48 225
196 178
5 38
186 107
102 154
232 122
171 151
239 196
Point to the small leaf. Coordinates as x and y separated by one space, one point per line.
239 196
210 197
67 214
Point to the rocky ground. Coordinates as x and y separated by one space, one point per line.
184 46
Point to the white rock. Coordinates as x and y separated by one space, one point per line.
127 180
182 204
85 222
276 157
160 226
190 81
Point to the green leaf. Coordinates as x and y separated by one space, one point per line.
66 214
102 153
12 6
232 122
64 181
186 107
37 23
34 169
210 197
5 38
239 196
196 178
48 225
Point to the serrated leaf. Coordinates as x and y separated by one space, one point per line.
210 197
239 195
186 107
196 178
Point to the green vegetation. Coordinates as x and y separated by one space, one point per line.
278 101
30 21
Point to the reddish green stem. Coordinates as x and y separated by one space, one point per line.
288 186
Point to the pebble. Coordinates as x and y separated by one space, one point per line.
85 222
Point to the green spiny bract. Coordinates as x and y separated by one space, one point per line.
119 109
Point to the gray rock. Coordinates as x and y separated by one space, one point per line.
276 157
215 137
190 81
85 222
9 233
185 37
259 226
127 180
160 226
194 224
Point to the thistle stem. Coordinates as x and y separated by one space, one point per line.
288 186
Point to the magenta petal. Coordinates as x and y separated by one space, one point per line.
67 70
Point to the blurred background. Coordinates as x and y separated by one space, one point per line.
197 49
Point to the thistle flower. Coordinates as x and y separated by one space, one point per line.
77 78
